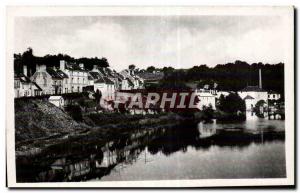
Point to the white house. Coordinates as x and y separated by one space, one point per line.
253 94
24 87
77 77
48 80
134 81
224 93
57 101
206 99
106 87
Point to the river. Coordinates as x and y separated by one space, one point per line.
250 149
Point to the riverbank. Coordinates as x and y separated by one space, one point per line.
44 129
40 126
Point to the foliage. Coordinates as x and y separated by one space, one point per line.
231 104
131 67
28 58
150 69
98 96
232 76
74 111
257 109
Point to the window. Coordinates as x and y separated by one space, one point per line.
274 96
78 89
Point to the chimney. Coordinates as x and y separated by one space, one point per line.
41 67
25 70
260 82
131 72
62 65
94 68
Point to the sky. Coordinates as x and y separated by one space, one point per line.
177 41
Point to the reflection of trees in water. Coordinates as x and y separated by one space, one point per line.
174 139
81 161
180 137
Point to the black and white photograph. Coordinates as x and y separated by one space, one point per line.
150 96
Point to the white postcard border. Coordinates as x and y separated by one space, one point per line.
27 11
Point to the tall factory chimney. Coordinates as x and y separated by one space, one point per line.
25 70
260 82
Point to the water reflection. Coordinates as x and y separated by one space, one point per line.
207 129
86 161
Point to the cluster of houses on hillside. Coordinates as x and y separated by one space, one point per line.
73 78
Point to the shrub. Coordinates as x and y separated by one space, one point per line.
74 111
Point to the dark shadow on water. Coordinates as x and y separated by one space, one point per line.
82 161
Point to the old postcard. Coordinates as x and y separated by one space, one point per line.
150 96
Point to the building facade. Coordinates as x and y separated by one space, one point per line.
48 80
206 99
77 77
273 96
24 87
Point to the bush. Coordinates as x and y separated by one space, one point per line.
232 103
74 111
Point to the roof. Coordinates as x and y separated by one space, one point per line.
104 80
130 82
53 73
100 80
74 67
248 97
253 89
22 78
25 79
90 77
37 86
108 81
95 75
55 97
62 74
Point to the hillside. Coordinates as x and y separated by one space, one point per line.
41 119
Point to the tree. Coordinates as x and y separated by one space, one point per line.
104 63
74 111
98 96
259 107
167 70
232 103
150 69
29 60
18 63
131 67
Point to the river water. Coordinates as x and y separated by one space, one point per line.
262 158
254 148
